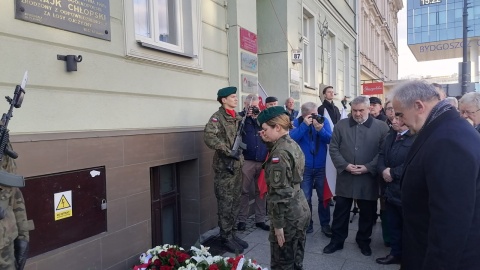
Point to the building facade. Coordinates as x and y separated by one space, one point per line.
118 94
325 34
435 31
378 37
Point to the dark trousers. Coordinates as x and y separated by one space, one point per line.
395 220
341 217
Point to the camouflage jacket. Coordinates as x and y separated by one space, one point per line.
12 208
284 173
220 132
14 224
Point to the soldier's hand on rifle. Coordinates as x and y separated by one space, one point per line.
235 154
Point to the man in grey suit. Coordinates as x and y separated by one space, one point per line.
354 149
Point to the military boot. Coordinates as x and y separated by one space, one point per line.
231 246
239 241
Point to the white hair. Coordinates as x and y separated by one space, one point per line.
472 98
308 107
452 101
361 100
408 92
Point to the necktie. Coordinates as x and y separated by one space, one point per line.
399 136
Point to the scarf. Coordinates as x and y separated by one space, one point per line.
439 109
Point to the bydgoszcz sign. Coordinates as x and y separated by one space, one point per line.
87 17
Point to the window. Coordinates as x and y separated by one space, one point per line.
167 25
332 60
308 38
346 71
165 209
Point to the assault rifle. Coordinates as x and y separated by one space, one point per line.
8 179
238 145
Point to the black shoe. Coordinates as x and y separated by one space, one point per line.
262 226
389 259
327 230
310 228
366 250
241 226
332 247
231 246
239 241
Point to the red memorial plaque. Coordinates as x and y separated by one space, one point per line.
248 40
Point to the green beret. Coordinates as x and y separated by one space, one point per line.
270 113
227 91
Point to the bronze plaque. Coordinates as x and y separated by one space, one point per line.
87 17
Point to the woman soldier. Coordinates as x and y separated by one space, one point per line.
287 207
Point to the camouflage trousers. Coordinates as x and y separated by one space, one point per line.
290 256
7 258
228 189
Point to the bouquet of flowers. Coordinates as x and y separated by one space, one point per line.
171 257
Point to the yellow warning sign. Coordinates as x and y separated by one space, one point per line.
63 203
63 206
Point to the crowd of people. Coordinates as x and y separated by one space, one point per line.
416 157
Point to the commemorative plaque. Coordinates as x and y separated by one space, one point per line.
87 17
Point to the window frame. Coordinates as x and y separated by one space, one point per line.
188 56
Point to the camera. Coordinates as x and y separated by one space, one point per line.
320 119
255 110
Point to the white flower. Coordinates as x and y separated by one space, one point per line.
217 259
202 251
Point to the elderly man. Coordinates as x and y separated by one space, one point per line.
376 109
271 102
440 230
254 156
354 149
470 108
290 107
313 134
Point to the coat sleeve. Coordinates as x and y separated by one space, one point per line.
280 190
372 165
20 215
299 131
325 133
451 173
211 138
338 161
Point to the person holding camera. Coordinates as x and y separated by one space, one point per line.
313 134
254 155
354 151
219 134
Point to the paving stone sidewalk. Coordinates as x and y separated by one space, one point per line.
349 258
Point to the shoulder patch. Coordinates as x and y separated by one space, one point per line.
214 119
277 176
275 160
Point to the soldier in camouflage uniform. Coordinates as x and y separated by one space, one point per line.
13 224
219 134
287 206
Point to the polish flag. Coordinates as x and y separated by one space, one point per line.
330 170
262 95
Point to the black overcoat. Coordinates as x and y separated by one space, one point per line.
441 197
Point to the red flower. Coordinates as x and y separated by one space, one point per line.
183 257
166 267
213 267
171 261
157 263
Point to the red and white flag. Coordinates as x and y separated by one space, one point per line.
262 96
330 170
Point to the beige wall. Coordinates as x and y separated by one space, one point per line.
110 90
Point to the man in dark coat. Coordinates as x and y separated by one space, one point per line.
376 109
328 104
440 183
354 149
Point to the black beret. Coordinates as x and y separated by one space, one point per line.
270 113
271 99
375 100
227 91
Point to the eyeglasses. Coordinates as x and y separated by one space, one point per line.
389 109
468 112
